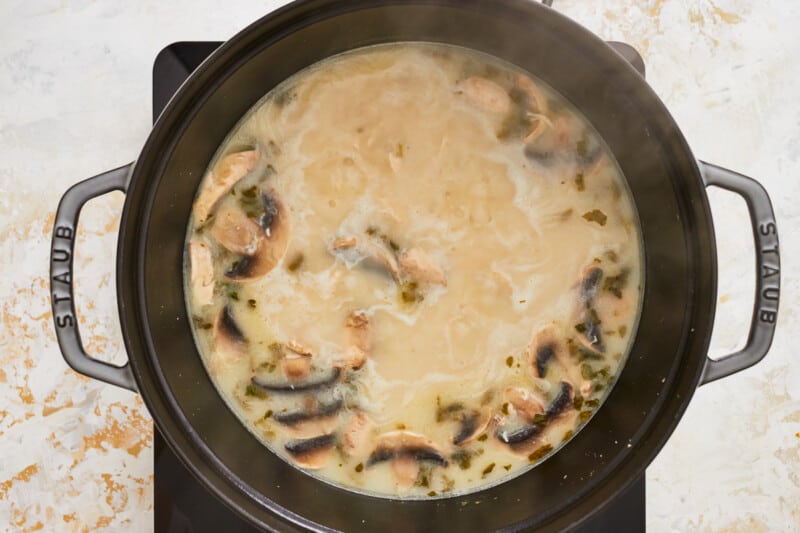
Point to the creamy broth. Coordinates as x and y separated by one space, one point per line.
413 270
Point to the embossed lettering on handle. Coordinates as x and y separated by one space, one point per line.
61 278
768 272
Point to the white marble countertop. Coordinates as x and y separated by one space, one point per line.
75 81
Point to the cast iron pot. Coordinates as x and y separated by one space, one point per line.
668 359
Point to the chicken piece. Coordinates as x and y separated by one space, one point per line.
237 232
486 94
356 433
224 176
358 342
202 272
418 266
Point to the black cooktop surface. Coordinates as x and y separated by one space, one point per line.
182 504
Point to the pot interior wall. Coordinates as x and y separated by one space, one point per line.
679 272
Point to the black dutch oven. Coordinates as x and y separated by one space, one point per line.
668 359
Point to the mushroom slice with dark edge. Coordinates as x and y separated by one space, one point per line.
225 174
322 380
471 425
522 435
366 252
311 453
317 420
201 266
549 349
229 340
272 218
358 342
403 443
588 321
415 264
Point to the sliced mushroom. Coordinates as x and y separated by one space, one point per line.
202 272
224 175
312 453
549 348
356 432
304 423
273 220
237 232
486 94
588 325
518 437
562 401
537 101
366 252
319 382
417 265
358 340
403 443
471 425
525 402
229 340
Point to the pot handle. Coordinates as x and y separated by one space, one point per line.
61 269
768 279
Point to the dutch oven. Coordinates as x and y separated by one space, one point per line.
668 359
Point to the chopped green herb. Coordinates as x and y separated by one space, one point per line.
598 387
580 327
483 437
623 330
276 349
488 469
423 480
585 416
540 452
612 256
582 146
595 215
252 303
252 390
250 192
540 419
587 372
234 295
359 467
504 408
577 402
463 459
593 403
615 284
268 414
568 435
448 411
588 355
295 263
400 426
432 493
509 361
399 151
579 184
507 467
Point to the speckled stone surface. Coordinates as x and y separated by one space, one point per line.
75 82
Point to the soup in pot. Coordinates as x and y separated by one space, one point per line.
413 270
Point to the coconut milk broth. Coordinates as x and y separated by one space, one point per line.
453 272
